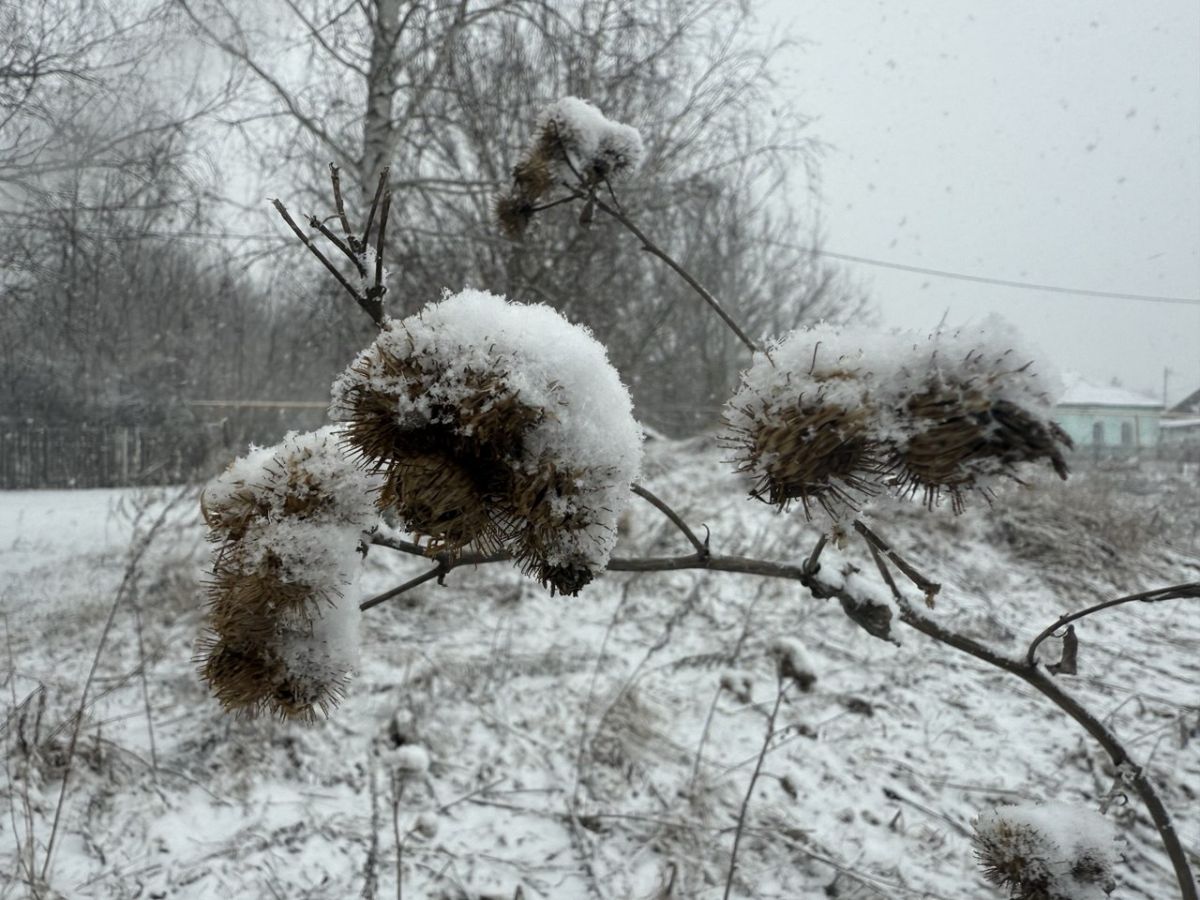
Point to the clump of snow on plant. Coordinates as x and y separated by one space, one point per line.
548 363
852 367
307 506
298 511
793 662
326 649
593 143
1058 851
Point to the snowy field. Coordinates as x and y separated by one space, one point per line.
582 747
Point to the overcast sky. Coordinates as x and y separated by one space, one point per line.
1049 142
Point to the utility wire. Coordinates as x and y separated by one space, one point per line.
983 279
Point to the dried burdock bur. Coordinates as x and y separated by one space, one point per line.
244 601
514 212
1053 851
965 434
831 415
550 526
818 453
498 426
447 500
239 675
574 146
256 677
282 606
578 141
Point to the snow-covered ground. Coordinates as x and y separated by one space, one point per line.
568 749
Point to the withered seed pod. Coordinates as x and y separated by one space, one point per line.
815 452
960 433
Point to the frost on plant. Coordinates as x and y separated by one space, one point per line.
500 426
576 146
283 612
1052 851
833 416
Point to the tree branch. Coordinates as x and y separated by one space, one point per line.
655 250
676 519
1176 592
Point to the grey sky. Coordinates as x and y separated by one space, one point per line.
1052 142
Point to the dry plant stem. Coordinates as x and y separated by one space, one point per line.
137 613
1175 592
347 251
1036 677
762 754
676 519
335 178
712 709
379 189
436 572
873 540
653 248
128 579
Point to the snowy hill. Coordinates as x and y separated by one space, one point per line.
584 747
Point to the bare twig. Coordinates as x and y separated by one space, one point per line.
436 572
930 588
762 754
347 251
649 246
383 178
676 519
374 310
1190 590
336 179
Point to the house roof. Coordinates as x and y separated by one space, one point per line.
1081 392
1179 423
1189 405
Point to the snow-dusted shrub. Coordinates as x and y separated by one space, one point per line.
497 425
574 145
283 611
1051 851
830 416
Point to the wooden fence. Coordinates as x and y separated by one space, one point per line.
109 456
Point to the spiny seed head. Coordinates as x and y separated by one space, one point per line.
445 499
810 450
961 433
514 212
250 675
250 601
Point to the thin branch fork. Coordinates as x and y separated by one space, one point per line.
371 300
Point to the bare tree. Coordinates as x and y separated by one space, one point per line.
445 89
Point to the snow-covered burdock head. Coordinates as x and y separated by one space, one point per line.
830 416
971 409
575 146
1053 851
282 609
496 425
801 422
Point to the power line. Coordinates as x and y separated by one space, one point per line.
983 279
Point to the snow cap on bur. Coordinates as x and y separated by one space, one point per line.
496 425
575 146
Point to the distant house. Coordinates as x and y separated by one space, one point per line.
1108 421
1181 429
